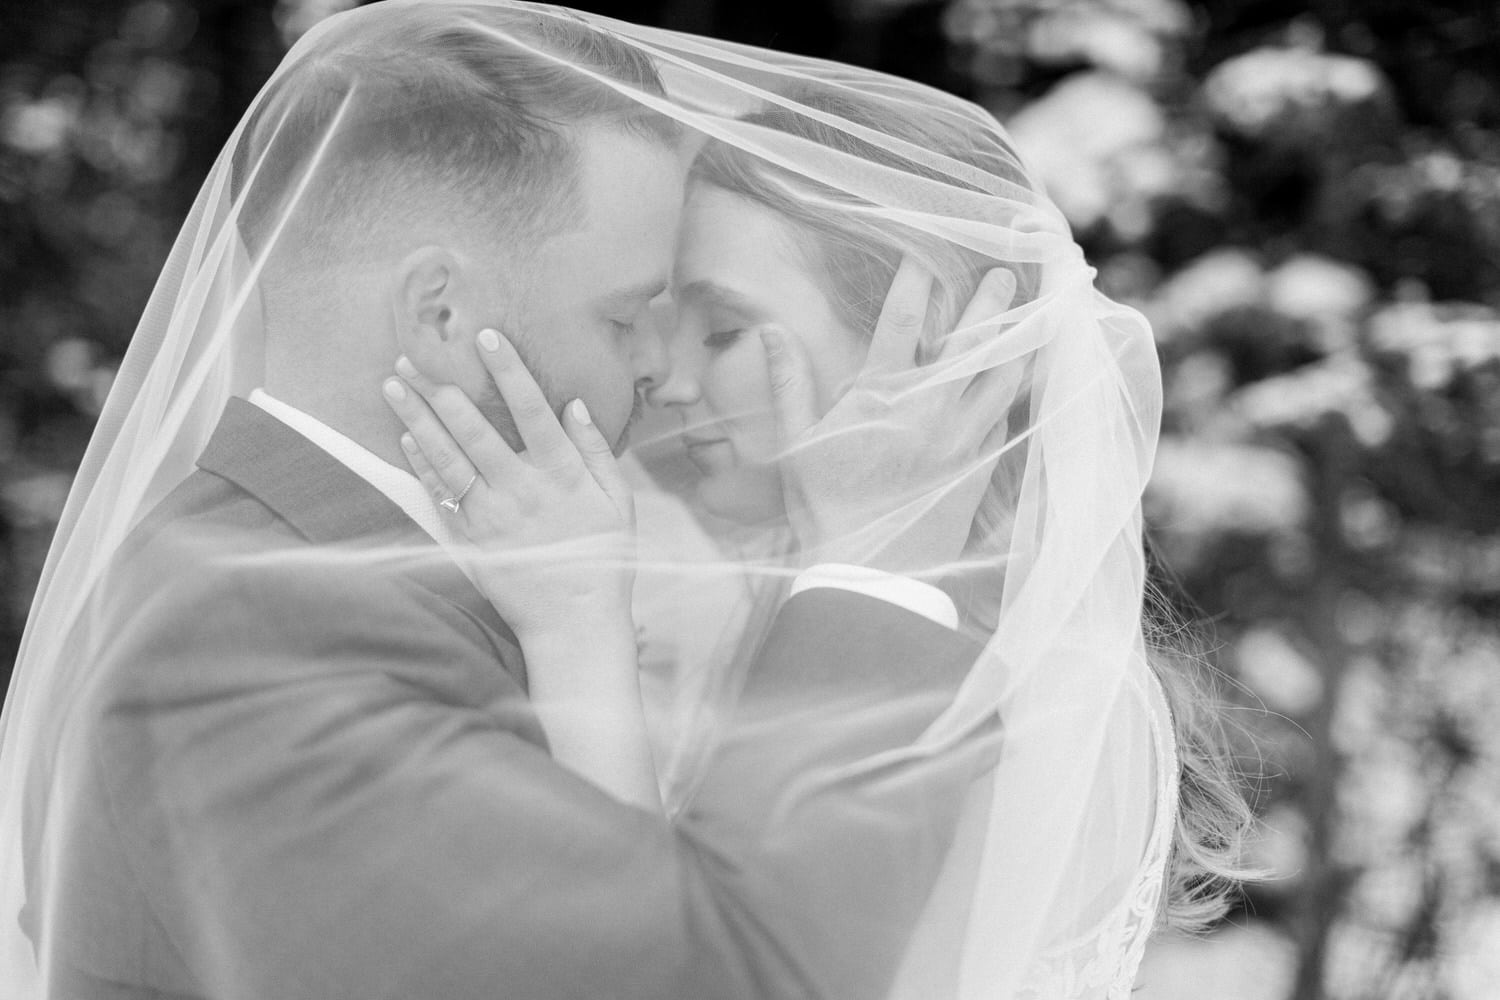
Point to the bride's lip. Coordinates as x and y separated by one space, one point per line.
705 453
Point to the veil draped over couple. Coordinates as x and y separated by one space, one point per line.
372 660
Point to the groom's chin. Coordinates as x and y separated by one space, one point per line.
622 443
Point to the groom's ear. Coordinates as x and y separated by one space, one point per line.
431 307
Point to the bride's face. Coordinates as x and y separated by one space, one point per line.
739 267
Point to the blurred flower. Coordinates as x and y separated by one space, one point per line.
69 363
1297 97
1217 282
1366 520
1327 295
1274 669
1135 39
1359 713
1254 961
1103 37
158 24
38 127
35 501
1280 846
1301 400
1449 562
1208 488
1080 137
1389 894
73 368
1194 389
1472 967
160 88
1384 795
1435 343
294 18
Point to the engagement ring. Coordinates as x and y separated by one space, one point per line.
451 504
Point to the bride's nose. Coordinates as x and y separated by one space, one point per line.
679 388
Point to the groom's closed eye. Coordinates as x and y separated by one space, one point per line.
631 300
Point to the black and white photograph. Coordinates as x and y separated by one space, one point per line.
750 500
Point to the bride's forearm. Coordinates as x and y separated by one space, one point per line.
585 686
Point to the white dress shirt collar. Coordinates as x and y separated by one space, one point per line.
399 486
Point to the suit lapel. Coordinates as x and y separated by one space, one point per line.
329 504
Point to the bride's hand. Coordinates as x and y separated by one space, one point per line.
553 534
891 476
552 525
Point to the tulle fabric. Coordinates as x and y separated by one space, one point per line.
1052 881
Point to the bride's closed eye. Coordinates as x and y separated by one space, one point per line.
721 339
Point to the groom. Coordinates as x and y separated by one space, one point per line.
301 779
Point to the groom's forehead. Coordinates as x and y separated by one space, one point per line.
631 189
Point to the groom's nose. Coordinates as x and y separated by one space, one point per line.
648 357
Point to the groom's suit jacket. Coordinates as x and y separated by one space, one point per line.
319 778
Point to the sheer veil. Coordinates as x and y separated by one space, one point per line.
1054 876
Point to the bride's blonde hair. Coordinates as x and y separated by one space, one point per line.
854 256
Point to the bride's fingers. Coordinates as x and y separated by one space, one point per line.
599 458
981 317
470 430
794 394
902 316
448 462
546 445
959 354
426 474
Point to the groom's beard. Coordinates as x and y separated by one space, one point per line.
493 407
636 409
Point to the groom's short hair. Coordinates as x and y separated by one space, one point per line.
467 106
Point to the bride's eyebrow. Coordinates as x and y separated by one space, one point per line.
711 293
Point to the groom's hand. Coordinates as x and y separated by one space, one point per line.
552 526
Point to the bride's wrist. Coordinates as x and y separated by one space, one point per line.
595 647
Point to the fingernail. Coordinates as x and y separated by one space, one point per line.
489 340
580 412
394 390
770 336
405 368
409 443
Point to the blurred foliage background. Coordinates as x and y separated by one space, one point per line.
1304 198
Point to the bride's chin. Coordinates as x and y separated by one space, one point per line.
747 495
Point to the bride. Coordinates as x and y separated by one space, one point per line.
873 398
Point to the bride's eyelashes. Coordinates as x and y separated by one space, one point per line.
721 339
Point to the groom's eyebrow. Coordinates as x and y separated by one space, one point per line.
635 294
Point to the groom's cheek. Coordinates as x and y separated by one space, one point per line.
622 442
492 405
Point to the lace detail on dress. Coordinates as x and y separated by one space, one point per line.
1102 964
